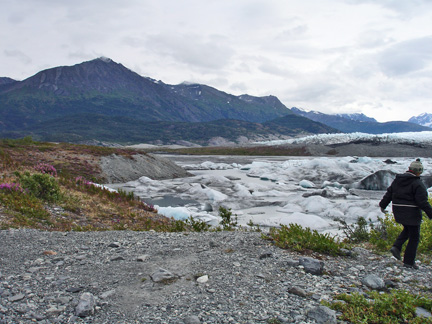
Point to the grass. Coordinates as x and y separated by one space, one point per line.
36 194
69 160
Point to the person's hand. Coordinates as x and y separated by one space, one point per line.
383 211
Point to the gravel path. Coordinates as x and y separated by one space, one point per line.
222 277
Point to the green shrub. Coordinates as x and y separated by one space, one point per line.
357 232
27 210
398 306
187 225
42 186
228 222
297 238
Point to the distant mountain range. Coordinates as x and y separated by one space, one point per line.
350 123
424 119
103 100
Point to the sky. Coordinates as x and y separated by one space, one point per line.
333 56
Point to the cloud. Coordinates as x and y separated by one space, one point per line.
276 69
194 50
18 55
406 57
405 9
374 39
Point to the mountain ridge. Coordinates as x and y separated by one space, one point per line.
116 94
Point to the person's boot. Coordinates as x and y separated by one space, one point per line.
411 266
396 252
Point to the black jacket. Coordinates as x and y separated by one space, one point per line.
409 197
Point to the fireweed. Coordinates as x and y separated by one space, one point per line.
46 168
12 187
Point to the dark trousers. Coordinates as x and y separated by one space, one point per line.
412 234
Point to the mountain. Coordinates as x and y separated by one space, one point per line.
347 125
81 128
297 125
104 87
4 80
424 119
357 117
103 100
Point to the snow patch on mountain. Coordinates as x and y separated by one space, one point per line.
358 117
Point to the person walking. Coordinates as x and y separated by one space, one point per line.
409 197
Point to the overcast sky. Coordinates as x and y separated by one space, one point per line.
334 56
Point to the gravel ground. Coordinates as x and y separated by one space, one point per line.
222 277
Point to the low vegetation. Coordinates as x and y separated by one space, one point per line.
398 306
52 187
297 238
381 235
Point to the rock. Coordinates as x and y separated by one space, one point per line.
322 315
328 193
142 258
74 289
427 180
86 305
346 252
312 266
203 279
55 310
293 263
107 294
297 291
421 312
163 276
388 161
360 250
192 320
114 245
213 244
390 283
265 255
118 258
16 298
373 282
379 180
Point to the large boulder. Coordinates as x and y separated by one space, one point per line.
312 265
379 180
427 180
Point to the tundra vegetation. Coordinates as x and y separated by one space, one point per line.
54 187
